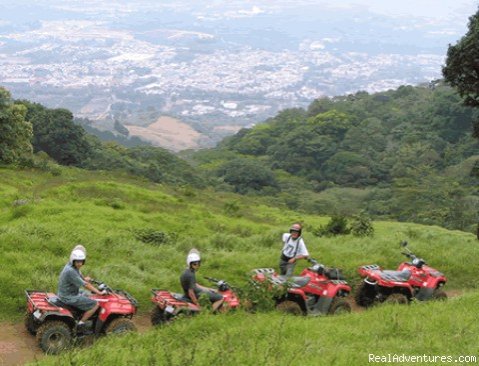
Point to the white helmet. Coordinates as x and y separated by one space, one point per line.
192 257
77 255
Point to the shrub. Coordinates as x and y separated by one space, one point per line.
232 208
338 225
362 226
152 236
260 296
20 211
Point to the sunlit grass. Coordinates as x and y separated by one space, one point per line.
104 213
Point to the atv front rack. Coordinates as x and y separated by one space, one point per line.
133 301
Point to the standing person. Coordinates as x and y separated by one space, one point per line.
191 288
293 249
70 282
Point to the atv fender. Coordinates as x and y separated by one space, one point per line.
335 287
298 292
53 316
435 282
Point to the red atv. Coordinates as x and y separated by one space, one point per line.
412 280
168 304
318 291
55 323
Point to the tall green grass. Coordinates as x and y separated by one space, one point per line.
106 213
435 329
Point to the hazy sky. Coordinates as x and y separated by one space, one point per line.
427 8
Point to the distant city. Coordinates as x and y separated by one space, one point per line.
218 67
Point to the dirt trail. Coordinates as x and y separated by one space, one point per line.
18 347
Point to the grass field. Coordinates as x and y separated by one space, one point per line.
114 217
435 329
137 235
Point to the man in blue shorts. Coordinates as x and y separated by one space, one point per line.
69 285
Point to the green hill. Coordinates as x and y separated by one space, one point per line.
137 231
406 154
137 235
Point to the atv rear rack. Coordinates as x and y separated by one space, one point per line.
265 271
371 267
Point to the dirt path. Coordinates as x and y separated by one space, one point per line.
18 347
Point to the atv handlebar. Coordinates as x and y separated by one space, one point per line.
212 279
101 285
222 285
315 262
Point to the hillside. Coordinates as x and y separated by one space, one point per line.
406 154
137 234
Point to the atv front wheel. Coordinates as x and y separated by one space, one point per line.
396 298
120 326
439 295
289 307
364 295
54 337
29 321
339 306
160 317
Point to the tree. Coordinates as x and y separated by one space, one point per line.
247 174
462 67
15 131
55 133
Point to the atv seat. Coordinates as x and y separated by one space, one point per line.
181 297
297 281
55 301
397 276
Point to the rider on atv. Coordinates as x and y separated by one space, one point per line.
293 249
70 281
191 288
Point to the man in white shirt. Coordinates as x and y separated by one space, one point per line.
293 249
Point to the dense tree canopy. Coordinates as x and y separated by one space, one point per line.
391 154
247 175
55 133
15 131
462 66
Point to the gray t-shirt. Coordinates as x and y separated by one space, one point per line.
70 281
188 280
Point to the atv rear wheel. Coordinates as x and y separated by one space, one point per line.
364 295
54 337
439 295
160 317
339 306
396 298
29 321
120 326
289 307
